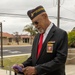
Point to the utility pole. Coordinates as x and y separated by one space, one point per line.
1 45
58 14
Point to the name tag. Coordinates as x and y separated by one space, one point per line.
50 46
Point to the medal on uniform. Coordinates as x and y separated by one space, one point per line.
50 46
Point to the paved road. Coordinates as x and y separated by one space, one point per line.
14 50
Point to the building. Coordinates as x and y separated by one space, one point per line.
9 39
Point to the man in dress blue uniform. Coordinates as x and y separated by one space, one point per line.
52 55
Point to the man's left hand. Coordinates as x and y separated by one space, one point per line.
29 71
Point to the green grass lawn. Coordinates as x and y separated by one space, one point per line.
9 61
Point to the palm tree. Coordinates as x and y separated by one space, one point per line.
31 29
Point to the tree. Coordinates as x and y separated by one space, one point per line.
71 39
31 29
73 29
17 37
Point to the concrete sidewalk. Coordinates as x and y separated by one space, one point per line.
70 70
5 72
17 45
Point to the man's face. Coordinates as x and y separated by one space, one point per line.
39 23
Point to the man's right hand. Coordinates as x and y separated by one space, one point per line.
17 67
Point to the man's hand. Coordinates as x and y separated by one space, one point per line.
17 67
29 71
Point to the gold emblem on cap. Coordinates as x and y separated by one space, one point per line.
32 14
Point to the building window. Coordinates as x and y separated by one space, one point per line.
10 39
25 40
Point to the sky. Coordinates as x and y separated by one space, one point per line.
15 23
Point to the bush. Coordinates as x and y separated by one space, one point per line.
71 39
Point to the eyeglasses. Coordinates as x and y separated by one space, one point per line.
35 23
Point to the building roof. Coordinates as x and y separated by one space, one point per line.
8 35
5 34
25 36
